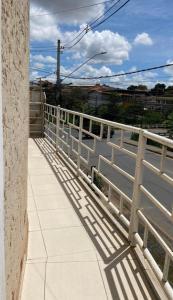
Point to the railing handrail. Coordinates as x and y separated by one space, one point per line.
57 120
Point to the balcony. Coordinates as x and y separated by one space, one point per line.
96 214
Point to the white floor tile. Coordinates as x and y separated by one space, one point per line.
56 201
43 179
85 256
33 221
123 279
33 284
66 241
47 189
74 281
40 171
36 247
58 219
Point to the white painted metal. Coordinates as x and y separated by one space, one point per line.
136 188
66 130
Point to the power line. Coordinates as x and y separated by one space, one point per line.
43 48
122 74
84 63
43 77
111 15
110 8
87 29
71 9
91 23
41 70
44 71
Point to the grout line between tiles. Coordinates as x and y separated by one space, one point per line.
56 228
102 277
39 223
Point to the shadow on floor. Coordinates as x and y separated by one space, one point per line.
117 260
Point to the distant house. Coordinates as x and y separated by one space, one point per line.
99 94
158 103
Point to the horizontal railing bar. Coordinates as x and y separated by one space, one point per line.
106 122
50 138
154 266
114 187
130 153
64 142
121 171
157 203
156 235
157 138
163 175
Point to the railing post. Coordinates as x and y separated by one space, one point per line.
136 188
80 141
57 126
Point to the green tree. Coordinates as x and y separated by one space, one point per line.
142 87
159 89
169 91
132 88
169 123
132 113
75 100
152 117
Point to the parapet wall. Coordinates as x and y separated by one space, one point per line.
15 109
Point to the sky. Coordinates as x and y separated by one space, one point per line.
138 36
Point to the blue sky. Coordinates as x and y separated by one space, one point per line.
138 36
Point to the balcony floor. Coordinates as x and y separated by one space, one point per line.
74 251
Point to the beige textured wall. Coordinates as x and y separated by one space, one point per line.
15 106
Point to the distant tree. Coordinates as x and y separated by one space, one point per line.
132 88
169 91
152 117
75 100
142 87
50 91
169 123
159 89
131 113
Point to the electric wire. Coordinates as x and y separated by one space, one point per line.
122 74
95 26
87 28
41 70
91 23
71 9
84 31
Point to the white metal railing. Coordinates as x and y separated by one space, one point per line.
80 139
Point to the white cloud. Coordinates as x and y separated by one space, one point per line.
38 65
43 28
73 16
90 71
34 75
76 56
143 39
116 46
43 59
169 70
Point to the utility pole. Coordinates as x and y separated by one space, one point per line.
58 79
40 89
